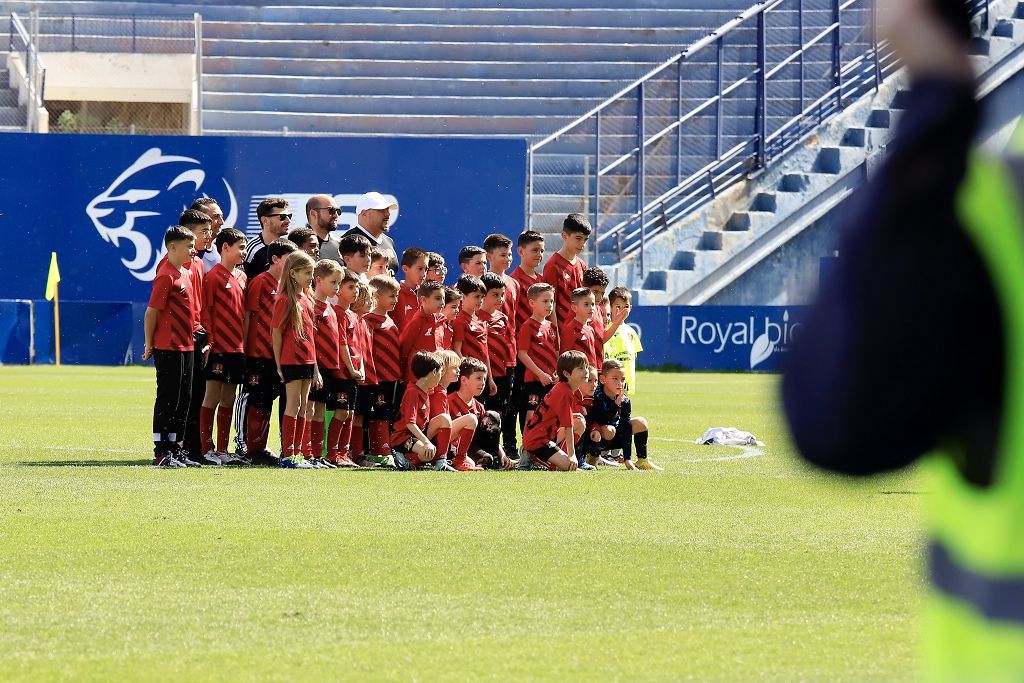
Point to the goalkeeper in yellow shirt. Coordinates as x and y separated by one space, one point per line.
624 345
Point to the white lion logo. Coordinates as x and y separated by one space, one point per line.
115 215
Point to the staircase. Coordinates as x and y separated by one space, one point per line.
706 251
12 115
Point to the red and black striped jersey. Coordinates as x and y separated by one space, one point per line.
564 277
577 336
223 310
405 309
362 341
297 348
418 335
415 410
538 339
600 323
385 348
511 302
347 321
196 272
259 303
174 301
326 335
459 407
523 309
438 402
471 332
553 413
501 344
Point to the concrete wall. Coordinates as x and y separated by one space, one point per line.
117 77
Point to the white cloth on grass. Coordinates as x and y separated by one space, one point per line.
727 436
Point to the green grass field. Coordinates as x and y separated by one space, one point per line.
722 568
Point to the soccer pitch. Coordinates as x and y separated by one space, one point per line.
721 568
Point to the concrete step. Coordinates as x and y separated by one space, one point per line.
494 33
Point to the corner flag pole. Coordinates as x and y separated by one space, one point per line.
52 281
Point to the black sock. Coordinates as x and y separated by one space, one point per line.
640 439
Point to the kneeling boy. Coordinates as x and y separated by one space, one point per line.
612 424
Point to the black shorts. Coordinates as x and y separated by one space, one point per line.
345 395
262 383
296 372
363 393
532 394
226 367
499 401
383 401
544 453
406 446
327 391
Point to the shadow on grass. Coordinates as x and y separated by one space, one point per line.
87 463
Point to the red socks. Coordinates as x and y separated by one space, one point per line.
223 428
205 430
357 441
288 438
256 430
443 438
345 438
380 436
302 436
465 440
317 436
333 438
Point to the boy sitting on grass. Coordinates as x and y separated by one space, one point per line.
612 424
410 446
554 414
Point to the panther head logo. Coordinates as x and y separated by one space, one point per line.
147 197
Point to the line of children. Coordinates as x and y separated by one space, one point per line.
504 338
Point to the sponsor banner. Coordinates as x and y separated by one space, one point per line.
103 202
741 338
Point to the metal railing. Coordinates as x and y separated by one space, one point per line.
175 34
27 68
718 112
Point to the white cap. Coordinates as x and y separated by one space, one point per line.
374 200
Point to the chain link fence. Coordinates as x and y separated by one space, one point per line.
119 118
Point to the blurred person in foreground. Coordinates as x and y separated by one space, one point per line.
914 348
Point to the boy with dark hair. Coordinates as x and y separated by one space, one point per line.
499 260
201 226
538 348
530 249
225 322
612 425
420 333
554 414
414 267
596 281
473 261
262 383
564 270
306 240
470 330
410 446
481 442
436 269
579 334
450 310
501 347
169 342
387 365
355 254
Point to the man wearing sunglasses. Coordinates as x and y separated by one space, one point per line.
322 217
373 213
275 219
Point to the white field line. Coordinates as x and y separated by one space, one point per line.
748 451
76 449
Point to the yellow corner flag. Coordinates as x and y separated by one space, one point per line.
53 278
51 295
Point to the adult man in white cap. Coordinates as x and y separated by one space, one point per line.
373 213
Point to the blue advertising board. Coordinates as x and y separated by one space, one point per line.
745 338
103 202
